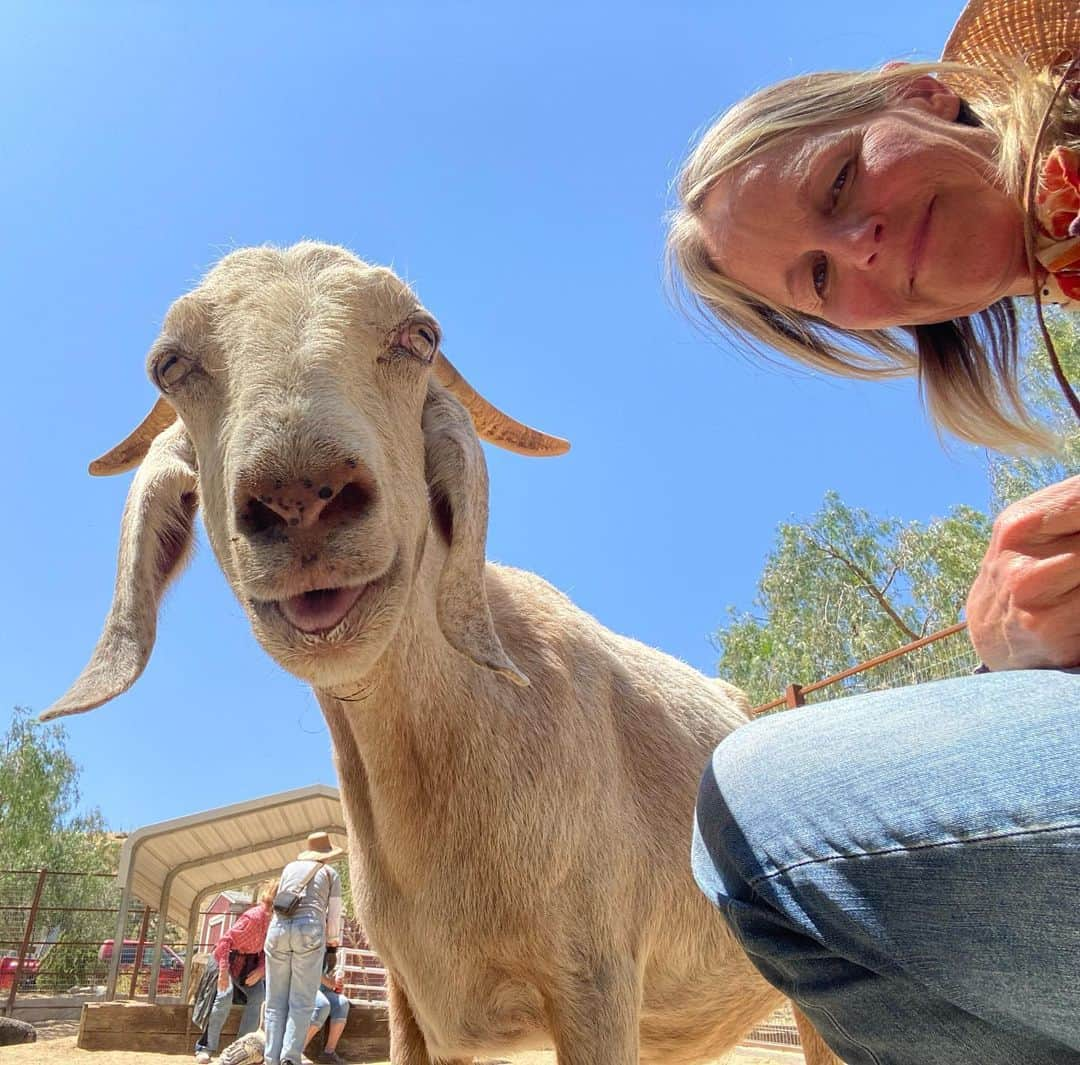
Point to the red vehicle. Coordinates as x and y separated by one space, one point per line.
27 978
172 965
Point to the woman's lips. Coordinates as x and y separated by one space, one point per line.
918 245
319 610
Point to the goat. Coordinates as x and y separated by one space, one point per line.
518 782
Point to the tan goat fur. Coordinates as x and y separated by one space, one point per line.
519 851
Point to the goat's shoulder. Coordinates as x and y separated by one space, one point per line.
533 618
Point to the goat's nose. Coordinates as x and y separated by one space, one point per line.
336 493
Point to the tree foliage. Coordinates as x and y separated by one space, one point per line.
1014 478
846 586
40 824
41 827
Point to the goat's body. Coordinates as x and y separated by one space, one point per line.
518 781
488 921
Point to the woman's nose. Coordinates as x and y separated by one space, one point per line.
858 241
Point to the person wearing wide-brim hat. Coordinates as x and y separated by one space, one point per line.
307 919
905 864
319 848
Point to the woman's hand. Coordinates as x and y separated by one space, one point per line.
1023 610
253 977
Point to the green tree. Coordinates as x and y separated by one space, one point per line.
41 827
846 586
1014 478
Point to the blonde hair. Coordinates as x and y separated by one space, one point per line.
967 368
265 892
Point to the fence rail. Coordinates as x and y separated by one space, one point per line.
959 660
57 932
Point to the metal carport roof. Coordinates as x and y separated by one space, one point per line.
174 865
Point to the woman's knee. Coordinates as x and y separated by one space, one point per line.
321 1012
339 1008
720 846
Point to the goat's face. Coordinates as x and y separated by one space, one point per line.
319 447
301 379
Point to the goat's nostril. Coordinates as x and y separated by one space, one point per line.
326 492
257 517
353 501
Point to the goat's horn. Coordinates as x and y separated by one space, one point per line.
132 450
491 423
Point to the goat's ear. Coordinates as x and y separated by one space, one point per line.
457 480
155 539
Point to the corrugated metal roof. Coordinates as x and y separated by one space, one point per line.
171 865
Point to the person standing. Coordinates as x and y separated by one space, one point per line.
295 945
241 967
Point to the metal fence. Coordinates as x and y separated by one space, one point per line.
942 654
365 977
57 932
53 925
778 1031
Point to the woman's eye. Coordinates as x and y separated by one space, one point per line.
170 370
839 184
820 275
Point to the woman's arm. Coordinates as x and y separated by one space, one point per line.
334 915
1023 610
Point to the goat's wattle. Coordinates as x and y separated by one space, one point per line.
319 610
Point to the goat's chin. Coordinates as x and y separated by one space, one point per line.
333 668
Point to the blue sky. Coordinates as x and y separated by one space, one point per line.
513 163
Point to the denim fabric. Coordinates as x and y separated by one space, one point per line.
219 1013
328 1003
906 866
294 957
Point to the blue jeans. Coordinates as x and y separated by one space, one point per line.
219 1014
906 866
328 1003
294 958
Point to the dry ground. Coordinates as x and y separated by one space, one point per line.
56 1046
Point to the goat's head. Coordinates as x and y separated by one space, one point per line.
302 408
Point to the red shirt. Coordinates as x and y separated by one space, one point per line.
246 937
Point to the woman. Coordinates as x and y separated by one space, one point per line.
307 918
905 864
330 1002
240 964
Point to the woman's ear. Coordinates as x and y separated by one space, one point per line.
926 93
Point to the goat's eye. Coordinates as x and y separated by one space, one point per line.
420 339
170 369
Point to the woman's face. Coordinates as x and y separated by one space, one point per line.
883 221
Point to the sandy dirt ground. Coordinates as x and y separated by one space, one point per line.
56 1046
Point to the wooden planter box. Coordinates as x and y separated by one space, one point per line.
168 1030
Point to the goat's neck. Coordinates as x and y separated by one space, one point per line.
409 738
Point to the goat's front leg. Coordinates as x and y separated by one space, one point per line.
815 1049
407 1045
594 1015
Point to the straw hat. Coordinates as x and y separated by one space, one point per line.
319 849
989 33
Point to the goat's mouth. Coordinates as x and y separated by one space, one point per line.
318 611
